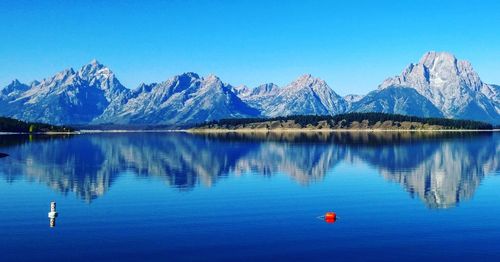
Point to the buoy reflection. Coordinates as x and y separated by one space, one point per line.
330 220
52 222
52 214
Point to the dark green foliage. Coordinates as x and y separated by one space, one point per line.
304 120
13 125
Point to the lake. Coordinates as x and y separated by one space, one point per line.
257 197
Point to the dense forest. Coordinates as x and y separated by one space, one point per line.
17 126
346 121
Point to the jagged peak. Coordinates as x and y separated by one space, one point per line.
94 62
241 90
15 85
190 75
268 85
183 78
94 68
65 73
214 81
311 78
305 77
211 78
15 82
431 57
177 82
264 89
307 80
241 87
143 87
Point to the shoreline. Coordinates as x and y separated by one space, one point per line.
207 131
37 133
82 132
305 130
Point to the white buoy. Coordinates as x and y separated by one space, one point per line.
52 214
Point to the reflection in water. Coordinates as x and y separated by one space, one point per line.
439 168
52 222
52 214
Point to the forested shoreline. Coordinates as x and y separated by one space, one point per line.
347 121
17 126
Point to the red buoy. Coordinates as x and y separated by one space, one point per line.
330 217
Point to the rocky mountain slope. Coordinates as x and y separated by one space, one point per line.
397 100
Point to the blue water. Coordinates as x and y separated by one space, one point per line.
181 197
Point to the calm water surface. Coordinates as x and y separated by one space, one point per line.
181 197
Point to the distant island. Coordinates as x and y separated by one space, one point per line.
10 125
350 121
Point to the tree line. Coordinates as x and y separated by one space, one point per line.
372 117
14 125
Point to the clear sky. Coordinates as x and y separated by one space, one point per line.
353 45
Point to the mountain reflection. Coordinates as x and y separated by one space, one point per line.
439 168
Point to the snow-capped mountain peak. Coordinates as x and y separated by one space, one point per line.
186 76
15 82
438 70
14 89
94 69
211 78
307 81
434 59
451 85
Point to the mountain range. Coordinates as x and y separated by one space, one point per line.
439 85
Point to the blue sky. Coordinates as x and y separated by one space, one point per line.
353 45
